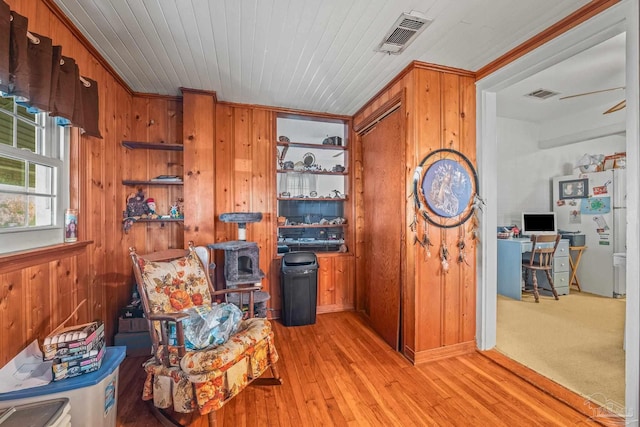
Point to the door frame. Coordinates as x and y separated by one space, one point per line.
623 17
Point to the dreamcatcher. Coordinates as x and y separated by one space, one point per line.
445 193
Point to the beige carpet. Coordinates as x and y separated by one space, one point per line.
575 341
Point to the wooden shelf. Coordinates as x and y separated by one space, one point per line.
130 182
313 199
152 146
312 172
129 222
313 226
136 145
311 146
159 220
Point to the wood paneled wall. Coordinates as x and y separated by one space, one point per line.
438 308
230 162
229 167
229 153
200 171
41 288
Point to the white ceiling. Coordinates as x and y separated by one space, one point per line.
598 68
315 55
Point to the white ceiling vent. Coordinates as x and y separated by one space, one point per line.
542 94
404 31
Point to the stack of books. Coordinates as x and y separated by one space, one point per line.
75 350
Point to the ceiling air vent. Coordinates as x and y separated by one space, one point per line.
542 94
404 31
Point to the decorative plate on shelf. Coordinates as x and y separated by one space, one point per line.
309 159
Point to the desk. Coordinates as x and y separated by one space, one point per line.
510 266
574 265
510 255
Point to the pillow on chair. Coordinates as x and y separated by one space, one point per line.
176 285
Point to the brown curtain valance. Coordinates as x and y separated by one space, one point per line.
40 63
36 73
18 62
64 97
5 31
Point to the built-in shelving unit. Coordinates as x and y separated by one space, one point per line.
313 146
138 145
312 179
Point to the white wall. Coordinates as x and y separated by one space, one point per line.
525 171
591 120
313 131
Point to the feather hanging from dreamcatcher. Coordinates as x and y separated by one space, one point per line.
474 222
426 242
444 253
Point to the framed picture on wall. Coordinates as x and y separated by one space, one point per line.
574 189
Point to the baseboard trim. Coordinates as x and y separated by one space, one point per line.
439 353
589 408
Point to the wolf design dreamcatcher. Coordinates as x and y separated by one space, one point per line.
445 193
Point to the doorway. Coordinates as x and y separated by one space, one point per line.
619 18
577 341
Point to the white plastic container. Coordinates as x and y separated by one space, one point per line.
93 397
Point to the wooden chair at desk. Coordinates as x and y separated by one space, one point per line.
543 249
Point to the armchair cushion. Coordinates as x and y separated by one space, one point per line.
215 360
217 374
175 285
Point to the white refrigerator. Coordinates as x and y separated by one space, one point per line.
595 204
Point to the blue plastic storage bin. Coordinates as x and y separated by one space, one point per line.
93 396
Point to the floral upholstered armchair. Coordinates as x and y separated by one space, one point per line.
170 283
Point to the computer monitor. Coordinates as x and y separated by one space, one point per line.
539 223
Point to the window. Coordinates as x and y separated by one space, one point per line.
33 178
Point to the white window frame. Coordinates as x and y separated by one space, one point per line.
52 150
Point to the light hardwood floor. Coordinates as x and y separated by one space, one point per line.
338 372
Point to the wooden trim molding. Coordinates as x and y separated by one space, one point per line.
415 65
211 93
439 352
157 96
21 260
380 112
552 388
289 111
441 68
576 18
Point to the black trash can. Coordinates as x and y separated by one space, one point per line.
299 288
